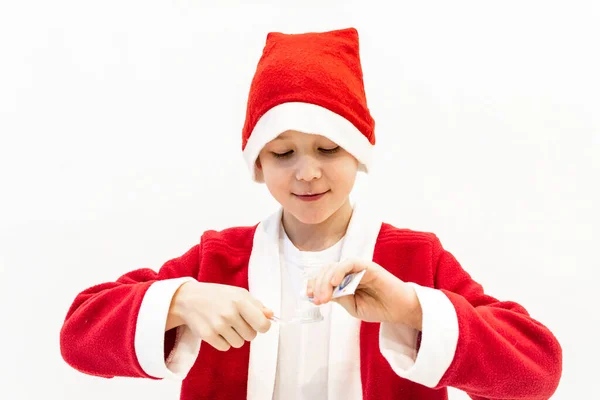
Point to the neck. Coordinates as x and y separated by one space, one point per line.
317 237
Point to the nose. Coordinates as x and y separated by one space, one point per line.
307 168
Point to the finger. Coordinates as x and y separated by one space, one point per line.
321 283
310 287
211 337
254 315
218 342
326 288
244 329
317 286
257 303
268 313
345 268
224 329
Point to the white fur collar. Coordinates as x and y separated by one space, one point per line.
264 280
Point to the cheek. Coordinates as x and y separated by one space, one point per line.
276 179
344 173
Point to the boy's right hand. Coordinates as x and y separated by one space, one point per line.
221 315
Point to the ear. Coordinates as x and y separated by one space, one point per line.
259 176
258 172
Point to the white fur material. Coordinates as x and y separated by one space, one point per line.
344 380
150 334
311 119
438 340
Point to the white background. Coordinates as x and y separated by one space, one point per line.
120 126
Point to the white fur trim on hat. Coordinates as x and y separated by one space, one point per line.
312 119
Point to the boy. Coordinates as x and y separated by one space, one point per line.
416 324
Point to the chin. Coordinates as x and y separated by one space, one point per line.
312 217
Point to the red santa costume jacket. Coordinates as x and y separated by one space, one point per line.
469 340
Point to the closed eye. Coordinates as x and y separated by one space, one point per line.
282 155
330 151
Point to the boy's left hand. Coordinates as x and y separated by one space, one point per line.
379 297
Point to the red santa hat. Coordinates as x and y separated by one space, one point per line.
312 83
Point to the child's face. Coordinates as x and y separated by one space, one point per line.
309 175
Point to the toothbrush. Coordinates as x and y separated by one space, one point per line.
308 316
347 287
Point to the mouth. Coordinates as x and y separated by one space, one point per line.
310 196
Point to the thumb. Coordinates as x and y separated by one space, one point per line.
348 302
267 312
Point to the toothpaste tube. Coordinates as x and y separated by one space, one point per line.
348 285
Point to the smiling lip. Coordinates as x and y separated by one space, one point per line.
310 197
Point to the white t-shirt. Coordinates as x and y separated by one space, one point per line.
303 348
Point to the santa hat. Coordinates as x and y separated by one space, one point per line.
312 83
